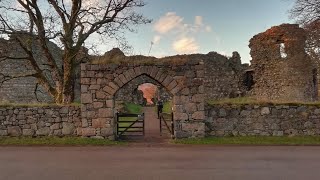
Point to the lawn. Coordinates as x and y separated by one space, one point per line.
252 140
167 107
54 141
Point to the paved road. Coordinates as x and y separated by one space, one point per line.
156 162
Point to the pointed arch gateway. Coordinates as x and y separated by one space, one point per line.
155 73
100 83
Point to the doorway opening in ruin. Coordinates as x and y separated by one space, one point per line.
142 95
315 83
248 80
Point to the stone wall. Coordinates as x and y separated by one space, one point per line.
26 89
40 121
262 120
282 69
100 83
224 76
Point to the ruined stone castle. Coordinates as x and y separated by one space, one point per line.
280 71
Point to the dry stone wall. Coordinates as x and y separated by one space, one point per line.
262 120
40 121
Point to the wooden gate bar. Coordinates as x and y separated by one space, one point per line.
136 126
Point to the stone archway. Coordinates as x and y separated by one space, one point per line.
99 84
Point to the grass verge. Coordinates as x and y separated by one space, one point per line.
56 141
252 140
252 101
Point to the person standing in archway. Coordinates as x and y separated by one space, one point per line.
160 107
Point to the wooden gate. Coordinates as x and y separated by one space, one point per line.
166 124
130 125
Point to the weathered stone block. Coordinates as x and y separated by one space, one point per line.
55 126
99 123
199 115
113 85
84 122
172 85
180 116
3 132
106 132
100 95
123 79
43 131
87 132
118 82
265 111
109 90
64 110
109 103
14 131
198 98
68 128
105 112
86 98
97 105
94 87
191 107
28 132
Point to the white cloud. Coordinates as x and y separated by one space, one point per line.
208 29
168 22
198 21
156 39
185 45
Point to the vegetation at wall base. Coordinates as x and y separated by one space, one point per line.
252 140
253 101
56 141
27 105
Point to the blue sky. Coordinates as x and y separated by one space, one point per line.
201 26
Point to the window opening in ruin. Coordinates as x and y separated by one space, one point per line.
315 82
283 53
248 81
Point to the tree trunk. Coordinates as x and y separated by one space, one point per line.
68 81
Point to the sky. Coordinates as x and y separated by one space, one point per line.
202 26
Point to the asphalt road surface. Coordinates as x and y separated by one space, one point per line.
160 162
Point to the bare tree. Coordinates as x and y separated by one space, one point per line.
307 13
69 23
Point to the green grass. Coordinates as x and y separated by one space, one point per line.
252 140
252 101
56 141
167 107
133 108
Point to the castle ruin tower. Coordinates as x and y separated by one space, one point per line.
283 71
